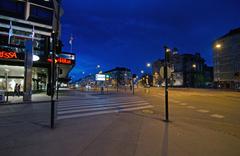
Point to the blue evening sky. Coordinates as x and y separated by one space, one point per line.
130 33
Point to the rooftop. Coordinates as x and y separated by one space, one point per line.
231 33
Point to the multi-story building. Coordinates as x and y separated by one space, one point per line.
119 76
35 20
226 60
187 70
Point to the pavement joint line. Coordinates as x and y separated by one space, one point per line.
217 116
203 110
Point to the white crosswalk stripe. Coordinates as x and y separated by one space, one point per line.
83 108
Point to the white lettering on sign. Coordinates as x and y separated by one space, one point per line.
100 77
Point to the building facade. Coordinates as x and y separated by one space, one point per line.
187 70
226 58
119 76
30 20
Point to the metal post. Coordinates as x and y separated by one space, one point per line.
53 80
6 79
57 80
133 86
166 84
28 63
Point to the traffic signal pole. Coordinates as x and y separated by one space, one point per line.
133 86
53 71
166 83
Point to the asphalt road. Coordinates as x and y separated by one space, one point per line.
211 109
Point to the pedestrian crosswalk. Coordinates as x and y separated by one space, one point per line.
90 107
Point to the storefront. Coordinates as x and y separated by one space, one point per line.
12 69
12 75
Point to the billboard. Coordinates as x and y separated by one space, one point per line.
100 77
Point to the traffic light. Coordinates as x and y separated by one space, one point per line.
59 47
107 77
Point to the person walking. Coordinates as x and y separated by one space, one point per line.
15 90
18 89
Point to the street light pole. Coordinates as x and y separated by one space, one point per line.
167 50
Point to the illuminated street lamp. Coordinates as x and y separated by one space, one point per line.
142 71
218 46
194 66
98 66
167 49
148 65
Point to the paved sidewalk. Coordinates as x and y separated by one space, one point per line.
25 131
124 134
42 97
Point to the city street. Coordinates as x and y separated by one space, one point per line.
212 109
202 122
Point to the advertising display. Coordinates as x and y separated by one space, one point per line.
100 77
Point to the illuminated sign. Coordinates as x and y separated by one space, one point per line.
8 55
61 61
64 61
107 77
100 77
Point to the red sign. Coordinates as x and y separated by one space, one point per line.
64 61
8 55
61 61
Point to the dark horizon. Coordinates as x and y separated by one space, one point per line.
130 34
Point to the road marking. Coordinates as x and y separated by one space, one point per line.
217 116
183 104
103 112
155 95
100 108
95 104
175 101
203 110
147 111
191 107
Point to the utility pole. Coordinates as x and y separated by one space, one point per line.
55 42
53 71
133 77
167 51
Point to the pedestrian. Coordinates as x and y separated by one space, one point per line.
15 90
18 89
